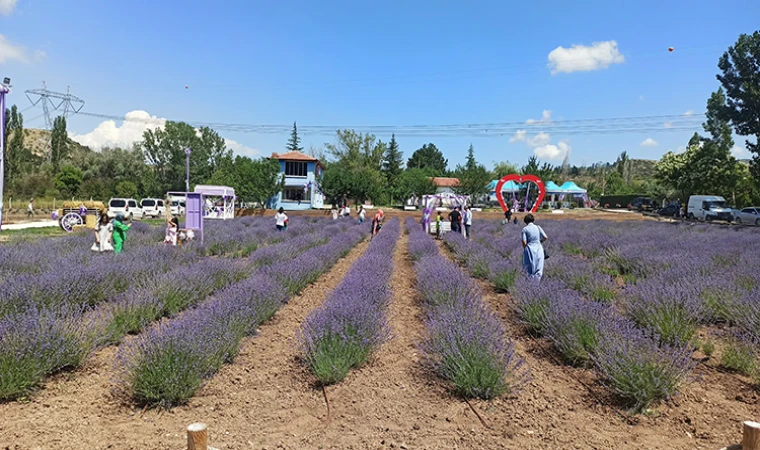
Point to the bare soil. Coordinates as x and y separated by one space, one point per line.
267 399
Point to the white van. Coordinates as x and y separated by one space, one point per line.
127 207
708 207
177 206
153 207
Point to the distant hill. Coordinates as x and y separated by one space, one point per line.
38 142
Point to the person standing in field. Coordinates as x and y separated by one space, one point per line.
119 233
467 221
334 212
30 209
280 219
362 214
439 226
533 238
455 218
377 222
103 230
172 228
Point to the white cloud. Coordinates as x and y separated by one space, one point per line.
689 113
539 140
108 134
668 125
582 58
649 142
546 117
519 136
553 152
740 152
240 149
131 130
7 6
13 52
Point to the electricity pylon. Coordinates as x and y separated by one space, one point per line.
66 104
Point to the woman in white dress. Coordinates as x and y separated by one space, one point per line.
103 232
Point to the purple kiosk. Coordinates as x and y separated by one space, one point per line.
193 211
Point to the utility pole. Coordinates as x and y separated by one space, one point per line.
4 89
66 103
187 169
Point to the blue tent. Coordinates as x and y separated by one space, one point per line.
508 186
571 188
552 188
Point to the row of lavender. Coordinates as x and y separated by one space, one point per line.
167 364
352 322
465 342
643 332
47 330
675 277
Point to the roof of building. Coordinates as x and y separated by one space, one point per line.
293 156
445 182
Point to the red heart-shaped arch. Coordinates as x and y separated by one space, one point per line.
520 179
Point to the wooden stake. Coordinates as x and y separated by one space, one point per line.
197 437
751 436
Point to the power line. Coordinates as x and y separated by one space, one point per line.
652 123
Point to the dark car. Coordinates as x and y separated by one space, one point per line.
641 204
672 210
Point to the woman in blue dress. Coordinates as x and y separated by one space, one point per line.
533 251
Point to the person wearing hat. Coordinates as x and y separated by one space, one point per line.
119 233
377 221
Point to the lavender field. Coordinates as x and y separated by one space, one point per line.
637 302
658 324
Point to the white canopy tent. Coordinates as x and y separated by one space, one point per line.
219 201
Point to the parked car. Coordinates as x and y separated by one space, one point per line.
749 215
127 207
641 204
672 210
709 207
153 207
177 207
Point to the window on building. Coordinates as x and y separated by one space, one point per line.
293 194
295 169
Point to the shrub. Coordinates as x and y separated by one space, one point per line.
666 309
465 345
639 368
741 354
574 326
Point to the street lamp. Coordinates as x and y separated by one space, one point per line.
4 89
187 169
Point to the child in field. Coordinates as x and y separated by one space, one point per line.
281 220
439 226
172 226
119 233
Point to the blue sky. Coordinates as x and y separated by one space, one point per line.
401 63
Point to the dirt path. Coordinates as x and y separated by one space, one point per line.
566 407
263 396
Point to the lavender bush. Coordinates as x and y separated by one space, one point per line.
465 343
640 369
741 354
352 322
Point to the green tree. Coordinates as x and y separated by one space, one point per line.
392 164
294 141
357 150
68 179
415 183
16 156
126 189
544 171
59 142
430 159
473 177
501 169
623 165
740 77
706 167
164 150
254 180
